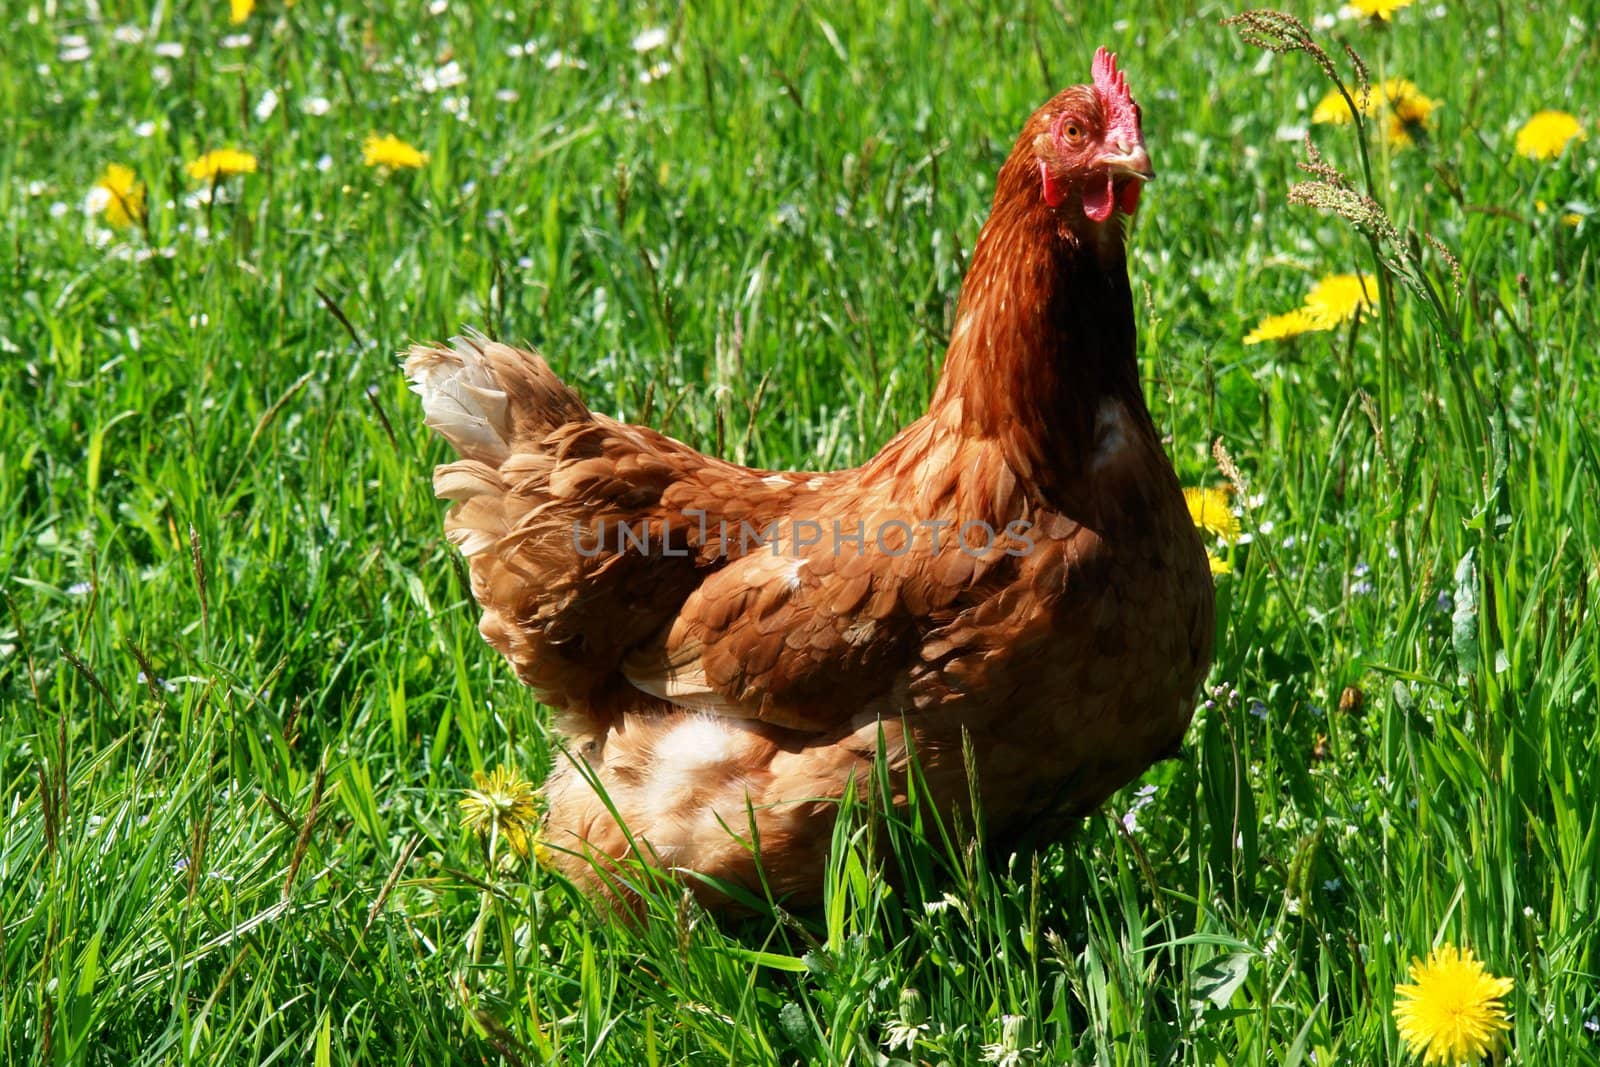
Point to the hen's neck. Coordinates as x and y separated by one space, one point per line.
1043 344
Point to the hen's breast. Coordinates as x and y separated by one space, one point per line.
1081 670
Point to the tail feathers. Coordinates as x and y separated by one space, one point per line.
484 397
561 616
479 521
465 480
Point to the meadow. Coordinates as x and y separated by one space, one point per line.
241 689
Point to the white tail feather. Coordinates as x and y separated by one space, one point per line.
461 399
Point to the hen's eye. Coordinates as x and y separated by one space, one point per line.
1069 129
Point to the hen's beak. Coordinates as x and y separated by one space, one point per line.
1128 161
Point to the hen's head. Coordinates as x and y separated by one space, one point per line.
1087 148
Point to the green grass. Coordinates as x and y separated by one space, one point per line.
240 683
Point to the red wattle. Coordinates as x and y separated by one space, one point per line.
1128 198
1097 200
1053 193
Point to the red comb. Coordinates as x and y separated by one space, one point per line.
1121 112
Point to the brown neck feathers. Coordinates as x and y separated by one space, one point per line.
1043 334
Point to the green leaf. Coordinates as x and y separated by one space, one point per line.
89 966
775 960
1217 980
324 1053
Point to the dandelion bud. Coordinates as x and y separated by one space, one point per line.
913 1007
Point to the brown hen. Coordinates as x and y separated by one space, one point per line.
726 644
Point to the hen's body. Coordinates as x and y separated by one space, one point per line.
725 644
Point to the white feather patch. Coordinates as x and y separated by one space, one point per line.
697 742
461 399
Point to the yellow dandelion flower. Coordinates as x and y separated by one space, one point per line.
1451 1012
1408 108
1218 564
1399 132
1209 510
1547 134
1339 298
1407 101
239 10
1382 10
503 805
119 195
1332 109
221 162
390 151
1277 327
